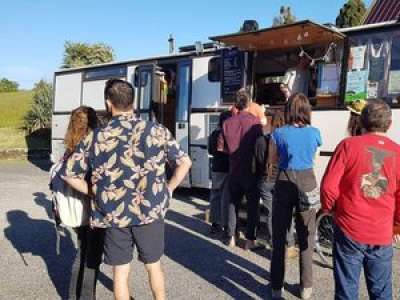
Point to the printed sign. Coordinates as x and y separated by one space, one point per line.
394 82
358 57
232 78
356 88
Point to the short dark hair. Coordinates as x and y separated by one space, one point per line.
298 110
376 116
225 115
242 99
120 93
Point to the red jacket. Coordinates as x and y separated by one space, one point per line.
362 187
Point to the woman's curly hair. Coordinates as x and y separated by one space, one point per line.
83 120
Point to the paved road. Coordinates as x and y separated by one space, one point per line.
197 267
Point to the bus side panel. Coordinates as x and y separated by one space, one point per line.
205 94
59 128
93 94
333 127
67 92
201 126
394 131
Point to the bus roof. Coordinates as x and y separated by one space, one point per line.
133 61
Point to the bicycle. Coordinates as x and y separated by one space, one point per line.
324 237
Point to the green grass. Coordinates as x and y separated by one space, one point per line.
12 138
13 107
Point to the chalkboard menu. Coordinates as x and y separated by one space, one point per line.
232 74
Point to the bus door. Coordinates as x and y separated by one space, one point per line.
184 94
144 84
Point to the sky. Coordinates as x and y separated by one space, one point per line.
33 32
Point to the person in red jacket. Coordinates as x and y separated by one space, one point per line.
361 186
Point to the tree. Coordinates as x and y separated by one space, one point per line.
83 54
8 85
285 17
39 116
351 14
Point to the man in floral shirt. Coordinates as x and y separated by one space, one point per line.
127 160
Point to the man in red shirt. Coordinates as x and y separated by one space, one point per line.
361 186
238 139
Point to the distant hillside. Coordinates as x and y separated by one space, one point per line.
13 107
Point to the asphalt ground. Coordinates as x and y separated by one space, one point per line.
196 266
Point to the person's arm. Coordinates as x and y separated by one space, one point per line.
78 184
396 236
179 173
397 200
331 180
176 156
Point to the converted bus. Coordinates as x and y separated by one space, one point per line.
186 91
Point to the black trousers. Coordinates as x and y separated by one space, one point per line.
285 201
239 187
87 262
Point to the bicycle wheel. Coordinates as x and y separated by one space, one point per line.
324 238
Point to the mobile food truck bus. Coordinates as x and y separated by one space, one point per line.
345 65
187 91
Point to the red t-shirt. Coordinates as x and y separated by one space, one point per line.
362 187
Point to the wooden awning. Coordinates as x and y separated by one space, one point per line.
304 33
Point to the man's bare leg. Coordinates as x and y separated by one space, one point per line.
156 280
121 277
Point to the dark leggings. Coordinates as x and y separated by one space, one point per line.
87 262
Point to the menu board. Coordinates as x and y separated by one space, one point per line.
232 74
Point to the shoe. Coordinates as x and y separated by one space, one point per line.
306 293
215 229
252 245
230 242
277 294
292 252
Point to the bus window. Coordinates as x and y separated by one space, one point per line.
214 69
395 63
183 96
145 89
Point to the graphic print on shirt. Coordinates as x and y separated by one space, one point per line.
374 184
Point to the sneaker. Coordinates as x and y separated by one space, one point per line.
253 245
292 252
277 294
230 242
306 293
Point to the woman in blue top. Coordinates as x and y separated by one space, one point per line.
296 145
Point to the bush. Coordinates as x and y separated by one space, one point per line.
8 86
39 116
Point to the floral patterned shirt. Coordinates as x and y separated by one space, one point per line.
127 163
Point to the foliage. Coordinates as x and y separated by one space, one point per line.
39 116
13 107
83 54
285 17
351 14
8 86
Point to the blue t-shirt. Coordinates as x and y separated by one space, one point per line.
296 146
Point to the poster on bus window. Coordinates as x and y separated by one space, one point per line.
357 58
394 82
356 88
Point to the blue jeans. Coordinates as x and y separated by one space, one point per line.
350 257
